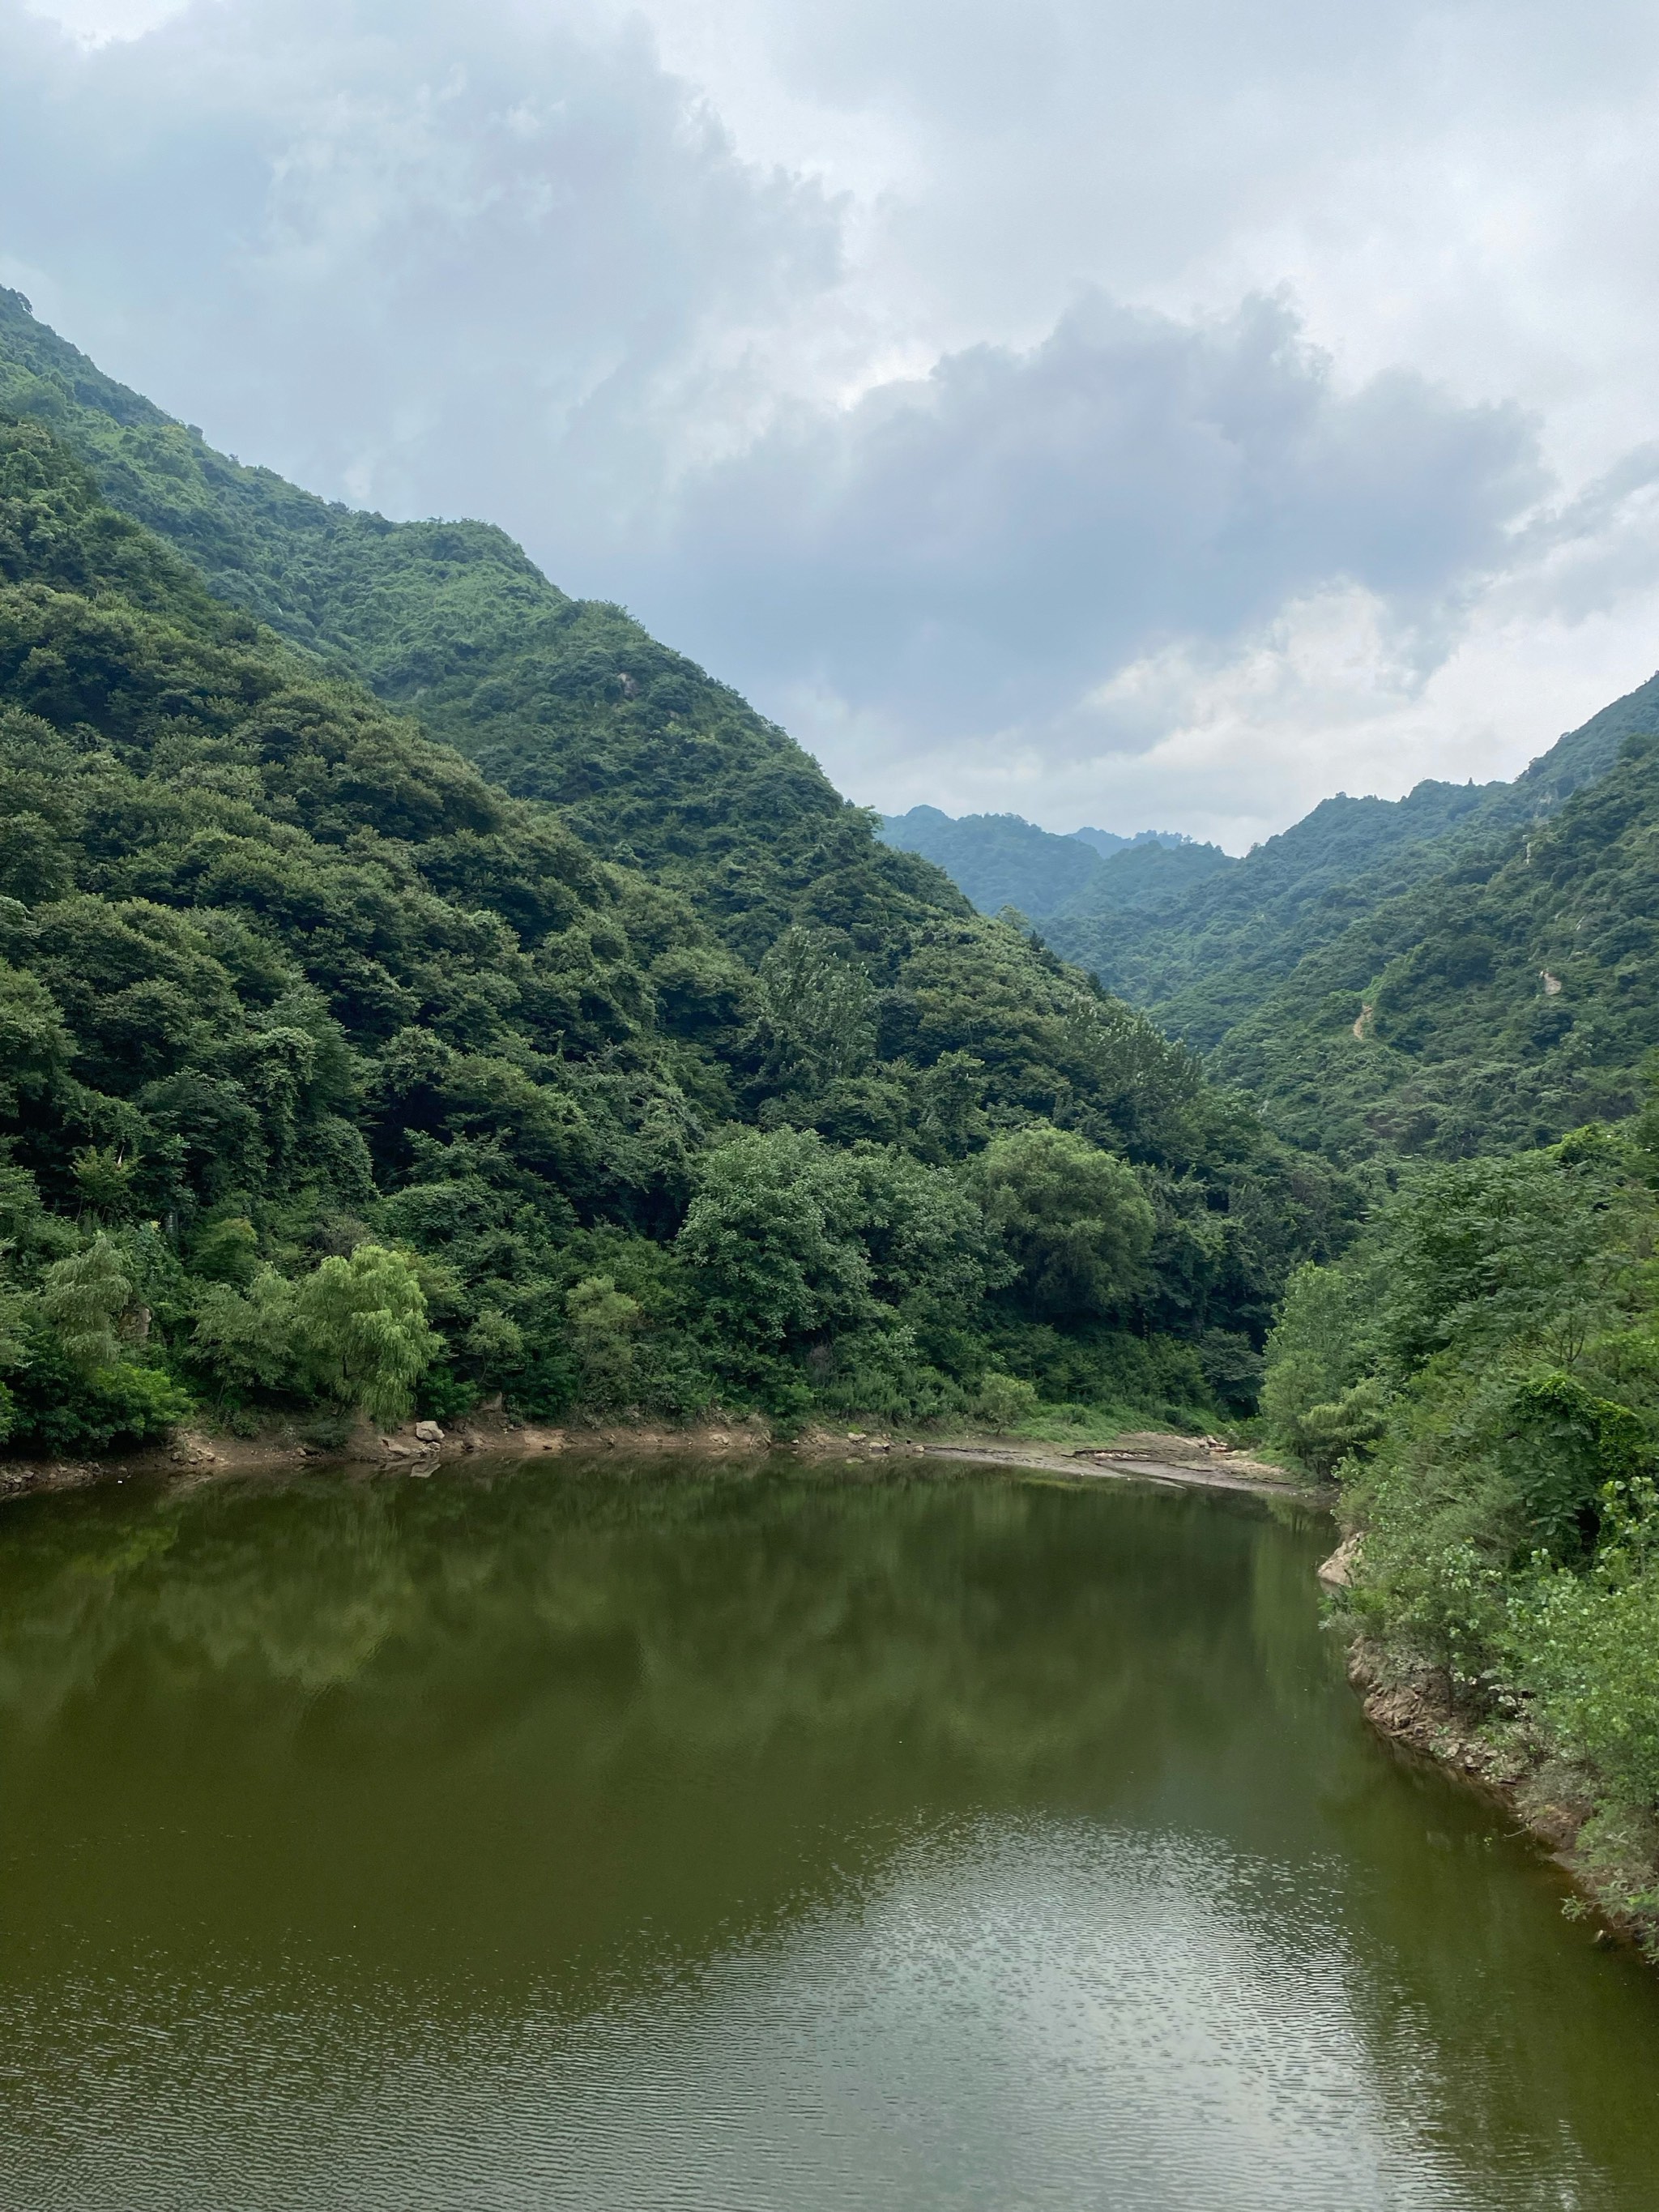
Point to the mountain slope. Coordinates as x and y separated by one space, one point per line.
1489 1008
556 698
296 1008
1210 964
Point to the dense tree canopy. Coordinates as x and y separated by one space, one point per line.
337 1075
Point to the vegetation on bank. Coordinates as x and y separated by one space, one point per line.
1479 1375
334 1076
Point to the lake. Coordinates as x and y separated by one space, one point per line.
619 1834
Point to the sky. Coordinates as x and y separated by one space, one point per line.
1143 413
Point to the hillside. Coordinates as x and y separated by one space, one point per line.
334 1074
555 698
1209 965
1491 1007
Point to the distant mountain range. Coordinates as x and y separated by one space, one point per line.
1291 968
1002 861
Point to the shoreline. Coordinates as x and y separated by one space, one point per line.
417 1448
1548 1800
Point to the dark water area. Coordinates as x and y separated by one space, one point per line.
625 1835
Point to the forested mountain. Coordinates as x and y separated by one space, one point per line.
555 698
1210 964
996 861
1150 873
1001 860
1494 1006
336 1074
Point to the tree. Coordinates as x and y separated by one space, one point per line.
1074 1218
603 1323
818 1011
83 1298
360 1327
771 1241
246 1339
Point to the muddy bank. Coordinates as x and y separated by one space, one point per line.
1613 1863
417 1447
1184 1462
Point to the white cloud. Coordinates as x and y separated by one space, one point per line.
972 550
795 327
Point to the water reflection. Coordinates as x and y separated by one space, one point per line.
616 1836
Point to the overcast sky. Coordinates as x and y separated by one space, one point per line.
1149 413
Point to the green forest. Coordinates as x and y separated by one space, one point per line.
619 1067
421 990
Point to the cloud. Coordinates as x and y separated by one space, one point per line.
970 551
505 263
1083 408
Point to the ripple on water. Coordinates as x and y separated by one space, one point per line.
1023 2013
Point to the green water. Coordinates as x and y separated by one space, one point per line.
616 1837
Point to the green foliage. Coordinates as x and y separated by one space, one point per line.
284 980
245 1339
605 1322
1074 1219
1481 1374
1589 1645
771 1242
360 1330
816 1018
83 1300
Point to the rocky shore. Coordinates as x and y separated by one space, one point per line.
1612 1861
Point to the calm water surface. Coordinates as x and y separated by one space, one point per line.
618 1837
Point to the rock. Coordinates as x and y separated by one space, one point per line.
428 1432
1337 1571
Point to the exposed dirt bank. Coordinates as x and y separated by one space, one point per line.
1184 1462
1613 1863
418 1446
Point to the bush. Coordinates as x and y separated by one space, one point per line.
1003 1401
62 1409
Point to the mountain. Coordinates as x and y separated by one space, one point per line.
1002 861
1150 873
1204 967
340 1068
1509 998
997 860
555 698
1104 842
